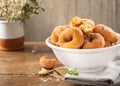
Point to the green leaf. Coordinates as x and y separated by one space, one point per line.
73 72
26 8
21 13
34 2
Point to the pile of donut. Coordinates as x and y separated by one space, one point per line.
82 33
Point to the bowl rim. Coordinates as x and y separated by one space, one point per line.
96 50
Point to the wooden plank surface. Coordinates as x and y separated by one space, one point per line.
19 68
23 61
95 11
117 15
83 8
108 13
59 12
30 80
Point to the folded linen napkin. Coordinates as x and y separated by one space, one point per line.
105 77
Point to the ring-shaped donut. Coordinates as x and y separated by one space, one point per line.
93 40
106 32
71 38
55 34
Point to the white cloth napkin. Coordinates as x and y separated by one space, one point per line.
105 77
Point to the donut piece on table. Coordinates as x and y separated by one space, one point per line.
47 63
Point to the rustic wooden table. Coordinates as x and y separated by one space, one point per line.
17 68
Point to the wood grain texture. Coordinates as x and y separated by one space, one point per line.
117 15
29 80
108 13
83 8
95 11
60 12
24 61
18 68
57 12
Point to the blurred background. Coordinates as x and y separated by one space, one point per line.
60 12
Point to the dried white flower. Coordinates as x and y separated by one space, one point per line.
13 10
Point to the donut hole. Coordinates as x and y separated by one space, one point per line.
68 39
90 39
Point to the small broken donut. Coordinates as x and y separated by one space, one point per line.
87 25
75 21
47 63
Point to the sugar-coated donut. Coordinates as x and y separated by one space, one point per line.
55 34
75 21
93 40
106 32
71 38
83 33
87 25
47 63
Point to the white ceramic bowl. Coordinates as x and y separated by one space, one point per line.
85 60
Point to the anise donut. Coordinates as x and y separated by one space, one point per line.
55 34
87 25
94 40
47 63
106 32
75 21
71 38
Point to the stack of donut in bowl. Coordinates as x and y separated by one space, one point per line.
82 33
